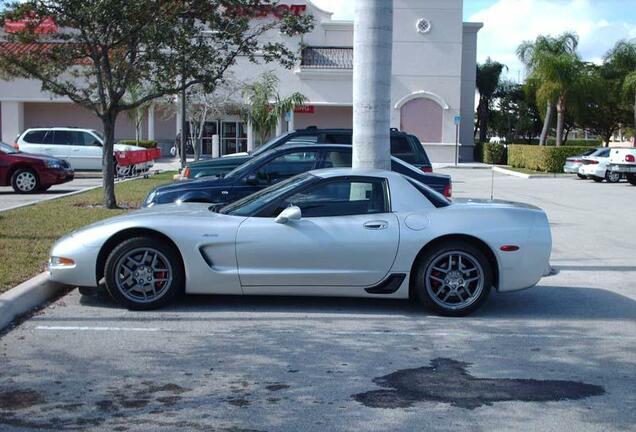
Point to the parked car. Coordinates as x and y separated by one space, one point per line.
333 232
595 167
623 161
273 167
29 173
403 146
573 163
82 148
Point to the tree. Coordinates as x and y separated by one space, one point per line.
265 107
101 49
622 61
136 114
532 53
488 79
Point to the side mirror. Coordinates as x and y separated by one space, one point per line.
251 180
291 213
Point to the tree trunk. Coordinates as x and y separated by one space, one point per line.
635 117
560 122
483 123
543 139
108 158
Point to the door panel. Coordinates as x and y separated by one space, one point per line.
317 251
82 153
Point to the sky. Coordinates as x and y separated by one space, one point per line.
507 23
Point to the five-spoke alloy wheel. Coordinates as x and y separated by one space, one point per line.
453 278
144 273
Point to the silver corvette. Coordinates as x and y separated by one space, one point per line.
335 232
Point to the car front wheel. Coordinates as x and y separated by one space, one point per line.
582 177
631 178
25 180
453 279
597 179
144 273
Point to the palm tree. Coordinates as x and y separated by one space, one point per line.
530 54
622 59
488 79
266 107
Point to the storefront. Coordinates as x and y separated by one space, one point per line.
433 84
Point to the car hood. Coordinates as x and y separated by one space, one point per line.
204 183
472 203
36 156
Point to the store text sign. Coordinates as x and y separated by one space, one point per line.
265 11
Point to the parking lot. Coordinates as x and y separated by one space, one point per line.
10 199
312 364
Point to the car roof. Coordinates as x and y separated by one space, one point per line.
70 128
313 129
339 172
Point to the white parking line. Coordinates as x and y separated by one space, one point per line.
87 328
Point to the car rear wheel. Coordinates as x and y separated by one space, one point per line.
144 273
612 176
631 178
25 180
453 279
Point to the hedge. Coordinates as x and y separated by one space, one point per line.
494 154
140 143
541 158
573 142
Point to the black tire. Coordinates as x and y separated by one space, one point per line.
174 273
582 177
426 263
612 177
597 179
25 181
44 188
631 178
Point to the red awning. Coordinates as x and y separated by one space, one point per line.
47 25
22 48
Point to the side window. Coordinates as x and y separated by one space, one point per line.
284 167
340 198
604 153
337 159
338 138
401 148
61 137
35 137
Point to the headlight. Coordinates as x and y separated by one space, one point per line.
54 164
150 198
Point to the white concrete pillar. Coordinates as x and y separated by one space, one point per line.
250 136
216 146
151 122
12 120
373 47
290 123
279 127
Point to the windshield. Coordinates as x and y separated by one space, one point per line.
250 204
269 144
247 166
6 148
98 134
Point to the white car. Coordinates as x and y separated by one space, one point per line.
333 232
595 167
623 161
81 148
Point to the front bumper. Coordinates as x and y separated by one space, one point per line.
622 168
56 176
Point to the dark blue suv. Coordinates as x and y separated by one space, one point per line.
274 166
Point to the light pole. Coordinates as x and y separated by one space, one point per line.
373 50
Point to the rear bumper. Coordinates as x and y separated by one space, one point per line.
592 170
571 168
622 168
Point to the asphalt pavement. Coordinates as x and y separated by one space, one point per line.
557 357
10 199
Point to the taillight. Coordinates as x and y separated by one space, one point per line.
590 162
630 158
448 190
509 248
427 169
186 172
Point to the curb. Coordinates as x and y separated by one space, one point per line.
523 175
27 296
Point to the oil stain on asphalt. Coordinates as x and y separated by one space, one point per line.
447 381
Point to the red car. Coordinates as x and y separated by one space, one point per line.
29 173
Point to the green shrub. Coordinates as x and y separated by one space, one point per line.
541 158
494 154
478 151
574 142
140 143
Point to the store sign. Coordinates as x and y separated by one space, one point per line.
305 109
265 11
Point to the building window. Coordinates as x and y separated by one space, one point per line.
233 137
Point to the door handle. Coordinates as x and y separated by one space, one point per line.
376 225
